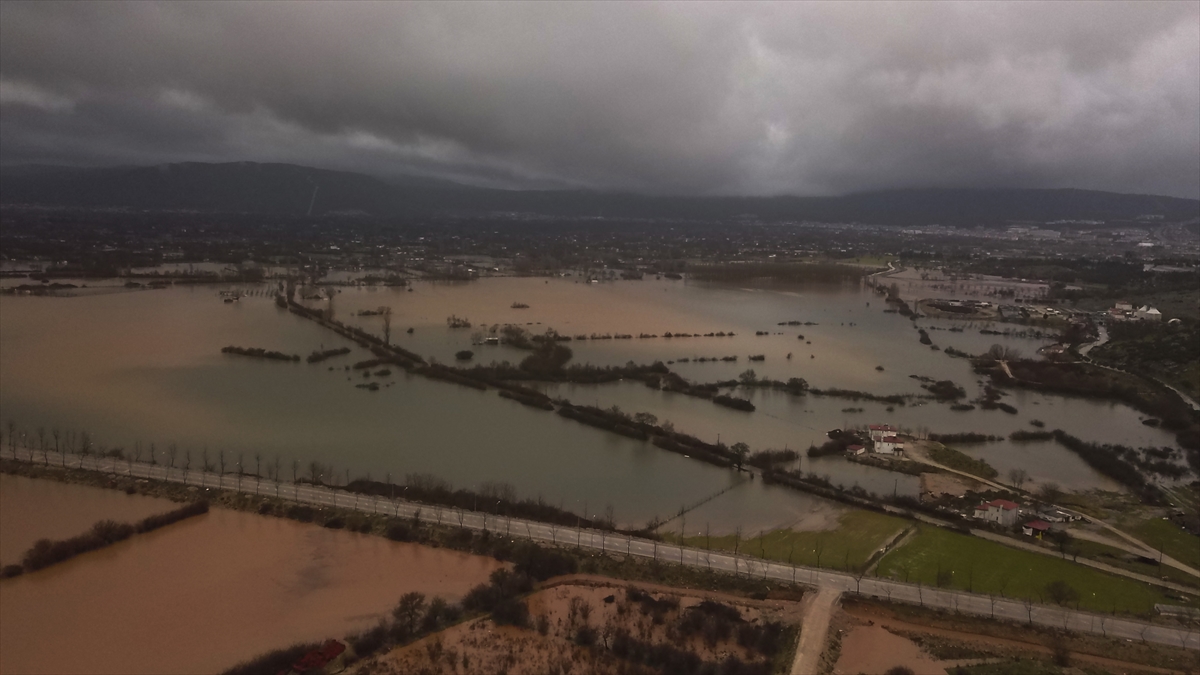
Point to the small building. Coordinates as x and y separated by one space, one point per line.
999 511
856 449
878 431
1035 528
1123 306
889 445
1056 516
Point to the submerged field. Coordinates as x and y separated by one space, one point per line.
38 509
148 368
848 542
204 594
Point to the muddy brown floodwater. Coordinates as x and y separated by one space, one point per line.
206 593
33 509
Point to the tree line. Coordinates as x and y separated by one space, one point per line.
46 552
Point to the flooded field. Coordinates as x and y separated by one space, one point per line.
38 509
204 594
146 366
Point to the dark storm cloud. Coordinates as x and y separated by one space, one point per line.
693 98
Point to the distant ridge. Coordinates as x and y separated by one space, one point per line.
288 189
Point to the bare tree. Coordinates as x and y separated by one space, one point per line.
387 324
240 471
58 435
187 464
41 432
172 453
153 455
295 478
859 573
1018 477
820 547
737 541
12 438
277 476
137 455
1049 492
85 446
791 560
257 471
314 472
221 476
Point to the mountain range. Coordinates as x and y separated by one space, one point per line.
288 189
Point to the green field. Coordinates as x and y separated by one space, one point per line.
983 566
1176 543
858 535
960 461
1116 557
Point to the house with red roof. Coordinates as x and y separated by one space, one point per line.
879 431
889 445
999 511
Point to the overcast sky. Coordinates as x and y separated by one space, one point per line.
798 98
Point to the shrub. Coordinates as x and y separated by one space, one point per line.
735 403
511 612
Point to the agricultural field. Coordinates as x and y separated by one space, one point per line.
1175 542
858 536
1110 555
981 566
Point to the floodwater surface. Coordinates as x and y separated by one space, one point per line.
209 592
147 366
32 509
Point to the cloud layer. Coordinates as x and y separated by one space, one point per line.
802 98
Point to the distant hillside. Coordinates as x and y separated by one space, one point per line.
248 187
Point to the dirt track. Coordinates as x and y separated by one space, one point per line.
818 611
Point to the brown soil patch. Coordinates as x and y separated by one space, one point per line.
935 485
872 650
558 611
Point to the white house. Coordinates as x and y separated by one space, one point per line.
1123 306
889 445
878 431
1000 511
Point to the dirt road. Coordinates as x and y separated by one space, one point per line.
813 630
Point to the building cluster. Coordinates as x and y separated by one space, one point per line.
1007 514
1124 310
883 441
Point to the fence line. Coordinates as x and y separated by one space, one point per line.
608 542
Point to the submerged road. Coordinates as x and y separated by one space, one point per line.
607 542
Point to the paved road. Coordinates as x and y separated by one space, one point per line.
969 603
